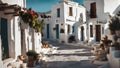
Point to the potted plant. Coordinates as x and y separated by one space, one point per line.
71 39
116 44
114 24
62 30
32 55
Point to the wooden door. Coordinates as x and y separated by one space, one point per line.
98 33
82 33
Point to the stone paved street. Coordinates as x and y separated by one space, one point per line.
71 56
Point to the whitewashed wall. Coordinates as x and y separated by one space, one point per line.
14 36
28 41
102 17
17 36
46 21
65 19
37 42
54 19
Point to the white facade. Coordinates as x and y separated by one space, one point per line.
66 21
100 19
30 40
14 33
46 31
12 37
19 35
104 8
99 23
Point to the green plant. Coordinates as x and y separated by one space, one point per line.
114 23
31 53
38 26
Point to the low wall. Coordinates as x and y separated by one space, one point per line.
114 58
7 61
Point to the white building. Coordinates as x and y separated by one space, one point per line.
16 36
98 12
10 29
96 18
46 16
67 22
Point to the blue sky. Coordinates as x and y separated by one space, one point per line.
44 5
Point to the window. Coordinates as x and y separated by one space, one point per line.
91 31
93 10
81 15
58 12
68 29
70 11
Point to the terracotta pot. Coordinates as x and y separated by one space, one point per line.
30 61
112 32
117 32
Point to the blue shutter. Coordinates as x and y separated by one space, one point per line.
58 12
73 29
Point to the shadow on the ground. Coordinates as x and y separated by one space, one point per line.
71 64
67 47
74 54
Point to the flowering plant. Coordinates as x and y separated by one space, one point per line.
31 17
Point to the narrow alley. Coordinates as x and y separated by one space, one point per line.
71 56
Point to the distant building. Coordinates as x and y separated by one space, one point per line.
67 22
98 12
96 19
46 30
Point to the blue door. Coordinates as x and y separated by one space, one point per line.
48 30
4 38
57 31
